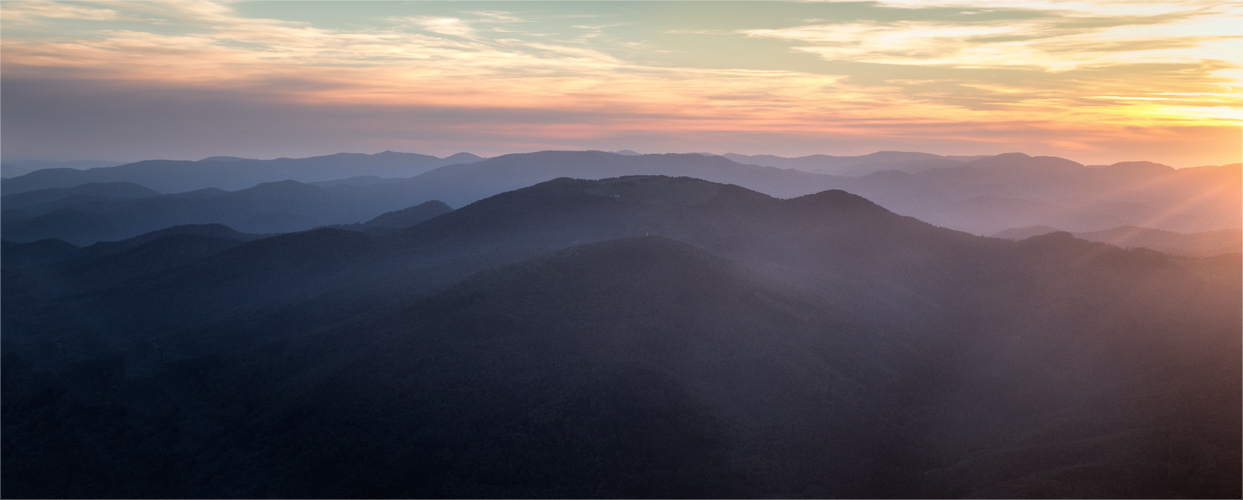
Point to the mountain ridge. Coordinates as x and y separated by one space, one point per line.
640 336
174 176
990 195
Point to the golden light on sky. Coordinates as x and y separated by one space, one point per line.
1096 82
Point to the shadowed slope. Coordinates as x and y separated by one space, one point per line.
539 343
639 367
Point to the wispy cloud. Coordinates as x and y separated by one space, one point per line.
33 12
1089 71
1048 43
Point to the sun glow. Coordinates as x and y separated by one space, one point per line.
1057 72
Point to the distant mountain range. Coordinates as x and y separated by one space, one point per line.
276 207
82 193
267 208
1203 244
981 195
231 173
855 166
15 167
641 336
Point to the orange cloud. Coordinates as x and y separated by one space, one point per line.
460 63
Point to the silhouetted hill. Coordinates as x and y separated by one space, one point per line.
462 184
290 206
358 181
406 217
169 251
47 269
236 173
210 230
267 208
15 168
995 211
17 254
982 196
639 367
1196 244
1022 233
76 226
77 194
1202 244
784 237
738 223
226 158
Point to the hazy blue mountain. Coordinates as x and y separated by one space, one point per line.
997 211
290 206
1022 233
1202 244
461 184
77 194
854 166
358 181
407 217
230 173
275 207
212 230
7 171
401 219
981 196
226 158
1015 190
18 167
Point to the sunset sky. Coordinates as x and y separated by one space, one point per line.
1092 81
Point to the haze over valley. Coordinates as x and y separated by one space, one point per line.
880 249
751 329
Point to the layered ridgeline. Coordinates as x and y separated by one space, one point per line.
857 166
979 195
230 173
638 336
1202 244
275 207
18 167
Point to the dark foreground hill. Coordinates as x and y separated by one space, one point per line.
638 337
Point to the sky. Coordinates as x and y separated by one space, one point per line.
1095 81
